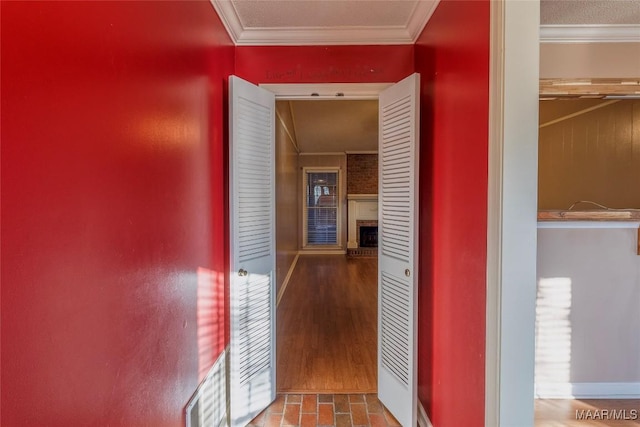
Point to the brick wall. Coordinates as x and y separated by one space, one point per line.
362 174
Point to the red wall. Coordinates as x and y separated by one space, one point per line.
324 64
114 202
452 55
113 208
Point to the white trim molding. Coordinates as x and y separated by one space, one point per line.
423 419
229 17
306 246
589 33
494 215
619 390
512 213
285 283
359 207
308 36
332 91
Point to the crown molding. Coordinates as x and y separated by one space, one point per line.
420 16
229 17
589 33
307 36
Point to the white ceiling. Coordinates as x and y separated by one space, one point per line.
588 21
589 12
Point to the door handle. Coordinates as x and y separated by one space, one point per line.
242 272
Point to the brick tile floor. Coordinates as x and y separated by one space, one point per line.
338 410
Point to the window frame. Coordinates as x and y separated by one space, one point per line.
305 221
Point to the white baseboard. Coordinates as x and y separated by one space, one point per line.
588 390
286 279
423 419
208 405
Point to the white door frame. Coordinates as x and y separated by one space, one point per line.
318 91
512 204
512 212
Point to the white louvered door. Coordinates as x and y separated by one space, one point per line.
397 248
252 249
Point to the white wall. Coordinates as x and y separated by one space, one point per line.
588 312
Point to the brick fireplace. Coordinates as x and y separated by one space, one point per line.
367 233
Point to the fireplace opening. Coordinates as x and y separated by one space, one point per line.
368 236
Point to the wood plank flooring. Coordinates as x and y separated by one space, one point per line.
327 327
587 412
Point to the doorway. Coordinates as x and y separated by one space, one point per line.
252 118
327 302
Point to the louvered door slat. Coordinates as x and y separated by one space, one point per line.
398 151
252 244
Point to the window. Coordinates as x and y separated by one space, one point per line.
321 210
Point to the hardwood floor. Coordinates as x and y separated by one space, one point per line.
587 412
327 327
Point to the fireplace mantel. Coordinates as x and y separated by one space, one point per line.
362 207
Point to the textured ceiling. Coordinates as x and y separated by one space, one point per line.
303 22
301 13
589 12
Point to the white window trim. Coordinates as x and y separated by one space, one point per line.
305 174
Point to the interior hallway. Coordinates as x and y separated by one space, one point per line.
327 327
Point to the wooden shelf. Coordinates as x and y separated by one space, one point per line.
591 215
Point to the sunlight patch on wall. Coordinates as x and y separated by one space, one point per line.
210 316
553 336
